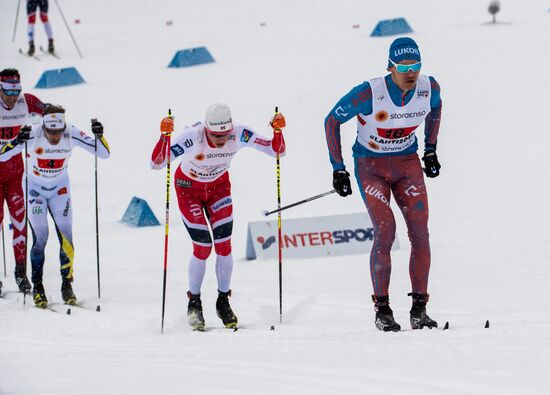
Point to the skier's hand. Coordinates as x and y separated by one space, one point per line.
341 182
278 141
97 128
431 163
24 135
278 122
167 126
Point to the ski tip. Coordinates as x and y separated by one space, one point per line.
98 308
272 328
487 324
69 311
446 326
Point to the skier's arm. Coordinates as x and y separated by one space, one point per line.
431 124
357 101
249 138
87 143
177 147
34 104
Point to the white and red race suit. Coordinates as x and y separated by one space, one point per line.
50 190
11 171
203 189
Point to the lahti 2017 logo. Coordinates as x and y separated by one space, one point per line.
266 243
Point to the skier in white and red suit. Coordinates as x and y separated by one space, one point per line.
204 194
15 109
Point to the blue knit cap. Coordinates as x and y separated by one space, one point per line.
403 48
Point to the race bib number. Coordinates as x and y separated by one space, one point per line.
50 163
9 132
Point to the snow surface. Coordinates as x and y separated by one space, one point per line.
489 207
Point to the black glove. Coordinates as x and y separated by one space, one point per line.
97 128
24 135
341 183
431 163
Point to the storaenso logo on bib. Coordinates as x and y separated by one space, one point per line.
408 115
220 155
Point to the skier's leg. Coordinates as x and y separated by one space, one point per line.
15 198
411 196
43 5
192 213
220 212
32 5
375 191
60 208
38 221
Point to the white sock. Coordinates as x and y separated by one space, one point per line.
30 31
196 270
48 29
224 268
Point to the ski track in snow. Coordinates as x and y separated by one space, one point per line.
488 209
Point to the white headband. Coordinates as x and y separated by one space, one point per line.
54 121
10 85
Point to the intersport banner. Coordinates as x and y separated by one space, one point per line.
333 235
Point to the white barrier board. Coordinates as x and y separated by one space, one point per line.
333 235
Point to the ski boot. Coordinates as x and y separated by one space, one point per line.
39 296
419 318
223 309
51 48
384 315
21 279
67 293
194 312
31 50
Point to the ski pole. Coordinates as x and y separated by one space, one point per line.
16 18
279 209
167 221
279 228
4 249
98 308
69 29
26 214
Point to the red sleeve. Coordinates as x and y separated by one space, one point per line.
34 104
159 152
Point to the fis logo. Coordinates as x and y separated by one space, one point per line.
247 135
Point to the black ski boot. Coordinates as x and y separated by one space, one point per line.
51 48
67 293
39 296
223 309
21 279
194 312
384 315
30 52
419 318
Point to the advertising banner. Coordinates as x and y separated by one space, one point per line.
333 235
